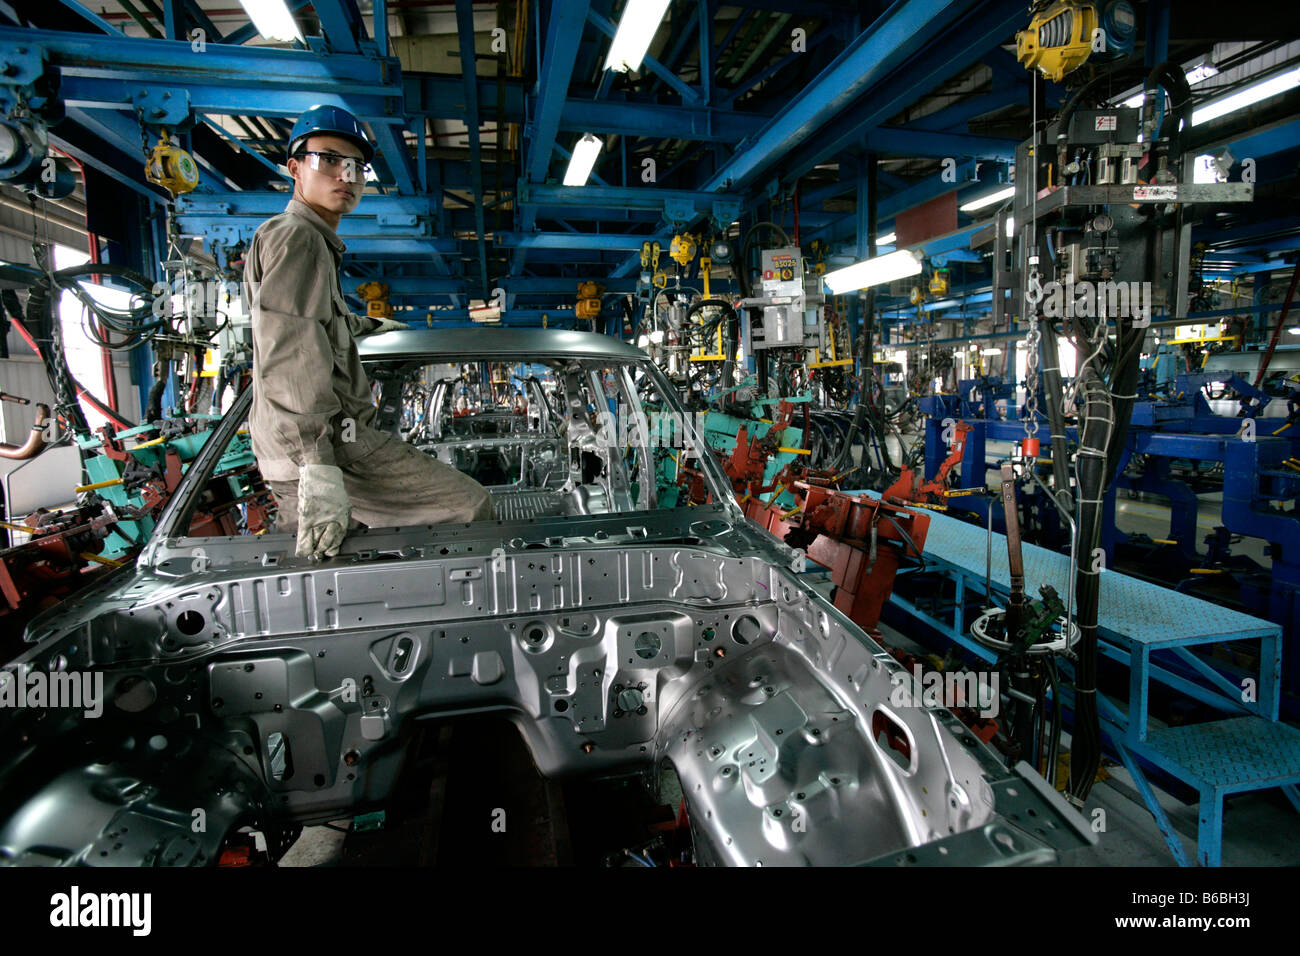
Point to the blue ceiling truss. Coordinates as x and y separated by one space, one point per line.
738 123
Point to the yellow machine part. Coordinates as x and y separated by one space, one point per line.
682 249
588 304
376 296
939 282
171 167
1059 38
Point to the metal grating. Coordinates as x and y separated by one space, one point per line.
1131 610
1228 753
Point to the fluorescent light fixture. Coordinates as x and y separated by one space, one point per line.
869 272
888 239
1295 331
988 200
582 160
641 19
992 352
1247 97
272 19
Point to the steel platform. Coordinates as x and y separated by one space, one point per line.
1248 751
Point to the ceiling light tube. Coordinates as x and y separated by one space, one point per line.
1247 97
869 272
640 21
582 160
988 200
272 19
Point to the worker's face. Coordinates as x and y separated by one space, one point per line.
333 185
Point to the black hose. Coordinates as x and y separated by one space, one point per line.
1095 432
742 264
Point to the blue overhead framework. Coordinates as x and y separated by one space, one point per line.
741 111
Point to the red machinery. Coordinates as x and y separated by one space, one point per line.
934 491
862 540
53 563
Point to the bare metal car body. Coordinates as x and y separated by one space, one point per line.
614 634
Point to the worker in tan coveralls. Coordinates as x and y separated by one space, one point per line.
312 420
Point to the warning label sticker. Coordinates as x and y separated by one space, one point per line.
1155 193
1104 123
782 272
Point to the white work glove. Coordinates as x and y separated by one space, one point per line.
388 325
323 510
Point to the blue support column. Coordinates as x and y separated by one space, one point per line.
380 29
563 37
1157 47
706 50
469 70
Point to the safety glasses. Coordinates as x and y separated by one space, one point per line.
353 169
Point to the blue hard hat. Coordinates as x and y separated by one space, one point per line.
334 120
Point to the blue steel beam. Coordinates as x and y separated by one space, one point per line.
820 37
407 221
952 49
955 118
607 214
1275 138
340 20
443 97
570 240
394 157
884 46
469 71
563 36
403 286
806 8
91 150
898 141
240 145
705 28
379 25
1244 235
227 79
687 92
630 197
659 122
406 212
200 19
90 17
113 128
684 36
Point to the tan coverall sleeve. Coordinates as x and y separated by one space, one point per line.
292 331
